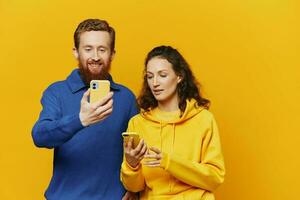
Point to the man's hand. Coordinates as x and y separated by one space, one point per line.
93 113
130 196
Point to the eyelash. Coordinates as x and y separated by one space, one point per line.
102 50
161 75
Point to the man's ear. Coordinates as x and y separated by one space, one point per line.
112 55
75 53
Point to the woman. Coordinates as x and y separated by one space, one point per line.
184 158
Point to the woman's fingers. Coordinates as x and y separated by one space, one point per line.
152 156
152 163
143 151
153 159
139 147
156 150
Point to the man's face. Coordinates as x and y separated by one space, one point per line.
94 55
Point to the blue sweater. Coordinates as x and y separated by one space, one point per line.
87 160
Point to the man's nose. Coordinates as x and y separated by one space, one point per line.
96 56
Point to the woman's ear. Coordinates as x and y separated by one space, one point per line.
179 79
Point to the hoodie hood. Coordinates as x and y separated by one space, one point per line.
190 111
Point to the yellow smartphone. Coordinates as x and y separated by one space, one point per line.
98 89
134 135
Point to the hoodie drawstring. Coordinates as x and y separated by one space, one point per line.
160 134
172 183
173 142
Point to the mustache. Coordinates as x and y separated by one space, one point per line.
98 62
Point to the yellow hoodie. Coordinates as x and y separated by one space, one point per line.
192 166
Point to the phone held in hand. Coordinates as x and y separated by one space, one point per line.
134 135
98 90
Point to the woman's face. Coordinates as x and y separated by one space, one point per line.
162 80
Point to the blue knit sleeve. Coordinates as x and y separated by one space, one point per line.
52 129
133 108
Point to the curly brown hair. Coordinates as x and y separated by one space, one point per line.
188 88
94 25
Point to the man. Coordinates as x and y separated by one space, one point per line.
86 137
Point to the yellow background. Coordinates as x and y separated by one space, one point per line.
244 52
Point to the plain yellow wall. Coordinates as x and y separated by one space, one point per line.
244 52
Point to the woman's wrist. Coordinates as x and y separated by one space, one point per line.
133 167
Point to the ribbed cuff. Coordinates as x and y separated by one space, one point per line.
132 168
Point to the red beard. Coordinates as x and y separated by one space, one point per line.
87 75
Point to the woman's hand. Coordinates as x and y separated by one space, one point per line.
130 196
153 159
134 156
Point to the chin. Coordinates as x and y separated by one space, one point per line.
159 98
94 72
